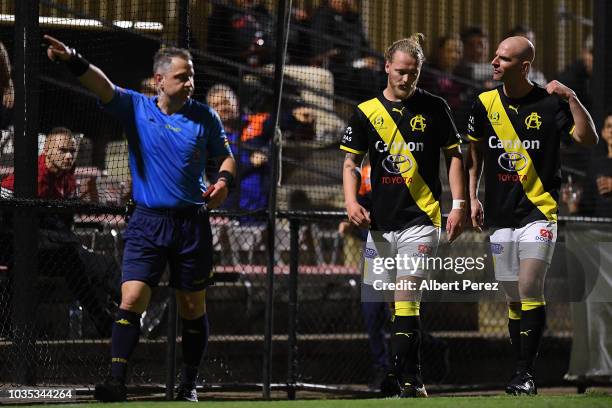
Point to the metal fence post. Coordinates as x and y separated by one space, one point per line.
25 270
294 253
282 32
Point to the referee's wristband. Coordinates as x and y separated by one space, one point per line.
77 65
458 205
228 177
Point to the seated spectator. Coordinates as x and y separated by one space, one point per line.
242 31
525 31
339 44
6 88
594 198
60 252
441 80
248 137
476 64
577 75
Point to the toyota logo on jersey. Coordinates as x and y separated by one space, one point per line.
512 161
393 163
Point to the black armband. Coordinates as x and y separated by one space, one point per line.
228 177
77 65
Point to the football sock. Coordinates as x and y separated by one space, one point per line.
195 341
126 330
514 329
533 322
406 341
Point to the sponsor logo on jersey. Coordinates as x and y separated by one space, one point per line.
424 249
348 134
533 121
418 123
494 116
382 147
400 111
497 249
370 253
393 163
514 108
172 128
546 235
496 143
512 161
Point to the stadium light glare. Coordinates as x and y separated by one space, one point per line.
89 23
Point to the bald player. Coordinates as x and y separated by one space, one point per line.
515 131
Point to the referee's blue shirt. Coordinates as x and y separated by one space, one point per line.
168 153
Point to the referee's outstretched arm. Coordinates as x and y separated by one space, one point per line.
88 74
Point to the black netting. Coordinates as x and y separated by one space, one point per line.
55 320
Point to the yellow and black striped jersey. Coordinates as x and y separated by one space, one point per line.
403 140
521 139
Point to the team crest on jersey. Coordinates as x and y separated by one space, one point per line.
418 123
378 122
494 117
533 121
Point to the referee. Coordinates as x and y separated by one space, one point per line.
170 138
403 130
515 130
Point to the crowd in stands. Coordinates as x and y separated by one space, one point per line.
330 65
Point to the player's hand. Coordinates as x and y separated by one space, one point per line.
476 214
556 87
217 195
57 50
358 215
604 185
454 224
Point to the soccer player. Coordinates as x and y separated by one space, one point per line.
403 130
515 130
170 137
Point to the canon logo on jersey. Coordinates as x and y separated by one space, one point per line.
495 143
382 147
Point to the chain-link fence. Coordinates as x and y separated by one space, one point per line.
56 308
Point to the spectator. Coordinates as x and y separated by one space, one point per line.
248 137
595 198
6 88
60 251
441 81
340 45
525 31
242 31
577 75
476 64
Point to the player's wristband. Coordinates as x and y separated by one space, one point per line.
228 177
77 65
458 204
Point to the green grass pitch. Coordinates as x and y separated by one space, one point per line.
573 401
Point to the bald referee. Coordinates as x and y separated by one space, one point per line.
170 139
515 130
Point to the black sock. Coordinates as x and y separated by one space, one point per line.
533 323
406 348
514 328
126 330
195 341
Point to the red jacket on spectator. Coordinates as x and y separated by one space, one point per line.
60 185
